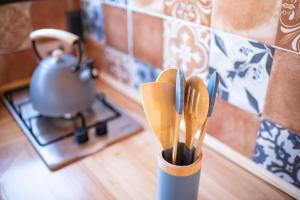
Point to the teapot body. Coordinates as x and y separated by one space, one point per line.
57 90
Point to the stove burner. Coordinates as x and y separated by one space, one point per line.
47 130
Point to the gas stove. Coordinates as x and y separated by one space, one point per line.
62 140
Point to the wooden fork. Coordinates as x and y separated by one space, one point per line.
195 108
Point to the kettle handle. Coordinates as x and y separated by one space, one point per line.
65 36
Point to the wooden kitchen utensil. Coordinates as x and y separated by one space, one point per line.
179 109
169 76
212 90
159 105
195 108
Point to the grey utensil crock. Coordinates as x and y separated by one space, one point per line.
177 182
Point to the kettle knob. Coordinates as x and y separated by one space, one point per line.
57 54
94 73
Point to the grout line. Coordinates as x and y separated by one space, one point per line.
165 17
130 32
119 5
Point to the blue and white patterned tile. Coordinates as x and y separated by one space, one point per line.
92 17
278 150
244 67
143 73
117 2
118 65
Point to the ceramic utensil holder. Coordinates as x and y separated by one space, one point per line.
178 182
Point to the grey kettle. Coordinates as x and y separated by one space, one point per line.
60 85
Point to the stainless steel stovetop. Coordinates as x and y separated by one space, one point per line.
62 140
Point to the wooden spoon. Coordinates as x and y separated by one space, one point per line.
212 90
169 76
195 108
159 105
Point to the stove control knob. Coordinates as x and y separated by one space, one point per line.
81 135
101 128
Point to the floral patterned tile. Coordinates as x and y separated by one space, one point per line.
254 19
152 5
129 71
92 18
186 46
278 150
117 2
195 11
118 65
288 33
143 73
244 67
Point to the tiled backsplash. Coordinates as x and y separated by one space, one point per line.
253 44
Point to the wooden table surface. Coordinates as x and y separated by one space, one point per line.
125 170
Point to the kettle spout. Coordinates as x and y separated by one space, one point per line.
89 72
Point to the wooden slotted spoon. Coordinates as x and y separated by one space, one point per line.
195 108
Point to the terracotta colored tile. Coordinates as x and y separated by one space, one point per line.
282 103
253 19
289 26
153 5
95 51
186 46
194 11
115 27
148 39
234 127
49 13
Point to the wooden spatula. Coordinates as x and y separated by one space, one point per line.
212 90
159 105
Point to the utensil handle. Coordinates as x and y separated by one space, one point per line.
200 141
176 138
61 35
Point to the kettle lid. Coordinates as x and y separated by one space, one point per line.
60 59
